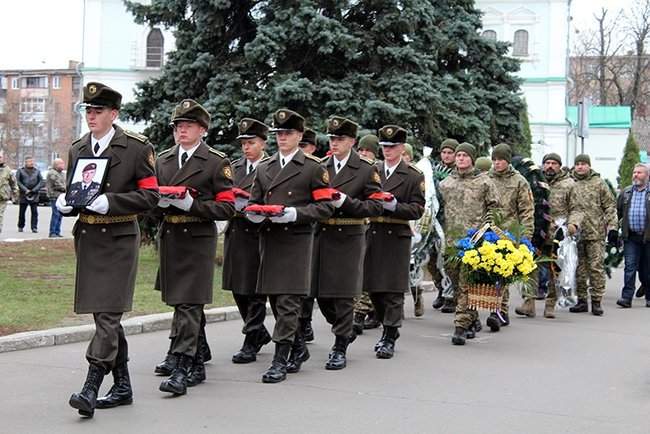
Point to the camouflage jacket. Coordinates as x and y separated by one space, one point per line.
468 200
8 185
515 198
55 183
597 205
563 200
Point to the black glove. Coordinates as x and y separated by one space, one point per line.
612 237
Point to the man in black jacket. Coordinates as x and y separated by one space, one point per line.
29 182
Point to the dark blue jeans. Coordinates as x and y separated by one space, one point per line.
637 257
22 210
55 221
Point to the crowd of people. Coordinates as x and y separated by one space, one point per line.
335 230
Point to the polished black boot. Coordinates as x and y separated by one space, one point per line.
177 382
86 400
204 348
387 349
371 321
307 330
197 371
120 393
262 337
299 354
337 359
166 367
438 301
493 322
278 370
459 336
380 342
357 323
248 351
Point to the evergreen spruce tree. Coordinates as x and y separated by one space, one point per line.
523 148
418 63
630 158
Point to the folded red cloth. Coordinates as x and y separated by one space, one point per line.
241 193
225 196
325 194
176 192
382 195
266 210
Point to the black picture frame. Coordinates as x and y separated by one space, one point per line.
78 197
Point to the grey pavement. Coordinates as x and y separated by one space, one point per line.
10 225
575 374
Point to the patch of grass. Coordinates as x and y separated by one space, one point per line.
37 286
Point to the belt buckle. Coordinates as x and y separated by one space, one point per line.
90 219
380 219
175 219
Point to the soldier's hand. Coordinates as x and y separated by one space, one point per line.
255 218
164 202
185 203
612 237
99 205
390 206
290 215
62 205
240 203
339 202
572 229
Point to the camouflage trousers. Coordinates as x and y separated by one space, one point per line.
3 207
591 269
363 304
464 316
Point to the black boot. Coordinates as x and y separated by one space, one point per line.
177 382
458 337
86 400
120 393
596 308
387 349
307 330
204 348
493 322
439 301
357 323
505 319
371 321
299 353
197 371
582 306
337 359
449 306
380 342
278 370
166 367
248 352
262 337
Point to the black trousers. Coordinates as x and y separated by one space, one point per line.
186 326
108 347
286 310
33 210
307 308
339 313
252 309
389 307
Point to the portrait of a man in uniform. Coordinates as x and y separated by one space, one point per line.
86 181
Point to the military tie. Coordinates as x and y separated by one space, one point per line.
282 162
387 173
338 167
96 148
250 168
183 158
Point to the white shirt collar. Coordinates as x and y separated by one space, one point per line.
343 162
391 169
287 158
253 163
103 142
189 152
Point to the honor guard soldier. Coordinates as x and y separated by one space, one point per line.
188 235
241 248
309 142
107 239
288 179
340 241
386 268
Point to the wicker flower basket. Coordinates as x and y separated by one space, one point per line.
484 296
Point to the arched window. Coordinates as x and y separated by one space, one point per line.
155 44
520 45
490 34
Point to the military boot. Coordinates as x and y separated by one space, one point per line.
476 327
581 306
438 301
418 308
493 322
357 323
549 310
337 360
371 321
204 348
86 400
596 308
278 370
177 382
262 337
449 306
120 393
166 367
247 353
197 371
458 338
299 353
380 342
387 349
527 308
307 330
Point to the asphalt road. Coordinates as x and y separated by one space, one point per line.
575 374
10 224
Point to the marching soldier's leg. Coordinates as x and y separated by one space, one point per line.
582 278
166 367
342 329
286 309
437 280
464 317
392 321
551 297
453 271
365 311
378 302
120 393
188 323
253 311
597 277
299 353
204 348
305 318
327 307
527 308
3 207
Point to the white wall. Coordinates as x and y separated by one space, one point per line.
605 147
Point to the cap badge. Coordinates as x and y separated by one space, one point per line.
282 115
186 104
244 124
389 132
92 89
335 122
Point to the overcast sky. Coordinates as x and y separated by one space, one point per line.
47 33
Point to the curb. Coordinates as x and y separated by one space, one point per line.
132 326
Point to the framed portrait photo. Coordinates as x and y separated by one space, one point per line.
87 181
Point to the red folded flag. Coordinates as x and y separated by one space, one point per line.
241 193
176 192
265 210
225 196
325 194
382 195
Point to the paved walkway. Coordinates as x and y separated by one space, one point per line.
575 374
10 225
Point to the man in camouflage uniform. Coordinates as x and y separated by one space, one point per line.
563 202
517 208
599 218
8 187
469 197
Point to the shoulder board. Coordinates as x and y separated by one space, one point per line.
161 153
414 167
235 162
214 151
313 158
324 159
78 140
367 160
137 136
264 158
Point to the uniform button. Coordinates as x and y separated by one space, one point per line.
286 228
289 193
390 232
270 192
103 229
374 232
268 229
83 231
108 184
324 229
168 231
245 230
185 230
340 229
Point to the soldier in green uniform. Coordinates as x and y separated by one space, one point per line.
108 229
599 220
8 187
386 276
241 247
340 241
288 179
188 236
